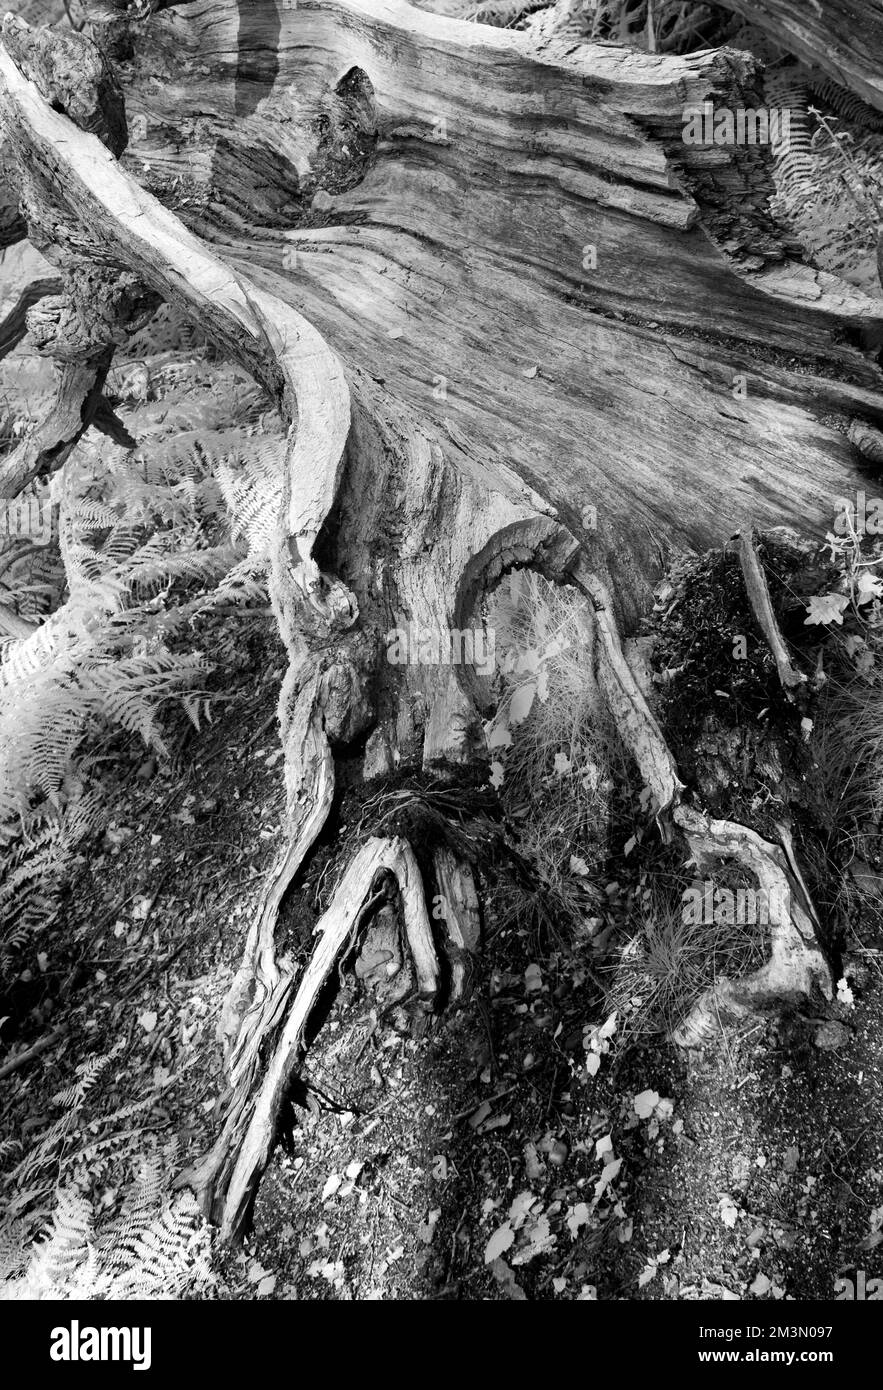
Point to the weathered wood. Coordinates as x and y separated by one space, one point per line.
460 915
227 1180
477 279
796 969
762 608
634 720
23 1059
842 37
79 329
13 227
13 326
310 788
416 918
79 390
333 930
867 440
537 288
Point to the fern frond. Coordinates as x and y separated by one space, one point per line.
159 1247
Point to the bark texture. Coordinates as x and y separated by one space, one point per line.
844 38
513 319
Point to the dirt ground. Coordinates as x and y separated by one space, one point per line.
480 1160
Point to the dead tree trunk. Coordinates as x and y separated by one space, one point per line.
514 320
844 38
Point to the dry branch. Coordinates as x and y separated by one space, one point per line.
762 608
22 1059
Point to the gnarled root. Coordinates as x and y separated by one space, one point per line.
461 916
309 768
633 717
227 1180
796 966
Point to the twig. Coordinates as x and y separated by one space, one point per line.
41 1045
260 731
490 1100
724 1036
762 608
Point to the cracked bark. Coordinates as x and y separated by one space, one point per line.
481 320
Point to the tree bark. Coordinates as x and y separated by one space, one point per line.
844 38
513 319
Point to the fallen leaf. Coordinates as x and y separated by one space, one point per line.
426 1230
496 1122
504 1276
332 1185
533 979
826 608
608 1174
501 1240
539 1239
481 1114
522 702
577 1216
831 1035
645 1104
729 1212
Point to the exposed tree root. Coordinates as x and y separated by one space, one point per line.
461 916
432 512
14 324
634 719
227 1180
796 967
309 772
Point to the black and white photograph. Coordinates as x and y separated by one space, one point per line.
441 670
